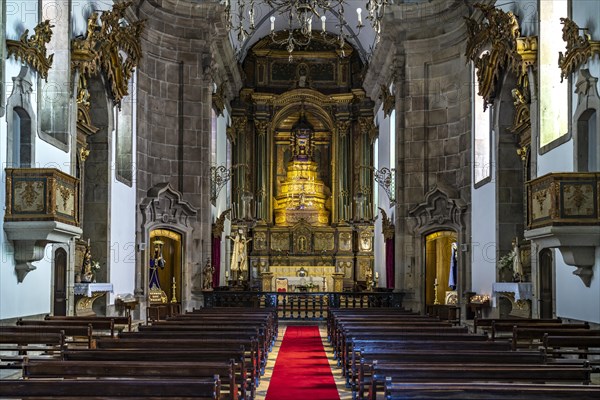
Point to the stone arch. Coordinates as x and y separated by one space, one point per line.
164 208
441 210
586 128
20 114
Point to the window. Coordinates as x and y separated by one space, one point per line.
124 136
23 145
554 94
481 137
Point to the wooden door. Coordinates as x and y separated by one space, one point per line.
546 284
60 282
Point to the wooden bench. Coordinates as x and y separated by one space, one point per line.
100 327
505 327
182 389
172 355
117 321
486 323
136 369
47 344
528 337
72 334
359 371
470 373
581 346
488 391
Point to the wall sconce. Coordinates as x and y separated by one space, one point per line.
386 178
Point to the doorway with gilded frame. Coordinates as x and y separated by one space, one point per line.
440 248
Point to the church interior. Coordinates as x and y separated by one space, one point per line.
366 179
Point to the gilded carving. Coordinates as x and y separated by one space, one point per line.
261 126
342 125
324 241
388 226
388 100
113 47
33 50
218 99
260 241
500 35
367 127
67 204
280 242
580 49
541 204
345 241
578 200
219 225
366 239
28 196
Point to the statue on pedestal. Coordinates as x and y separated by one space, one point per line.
207 278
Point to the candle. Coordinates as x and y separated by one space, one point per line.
173 280
435 281
376 275
323 19
226 274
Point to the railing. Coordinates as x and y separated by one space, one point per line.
312 306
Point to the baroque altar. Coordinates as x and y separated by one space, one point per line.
88 293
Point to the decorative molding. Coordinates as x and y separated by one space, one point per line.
33 50
389 229
388 100
580 49
261 126
507 50
440 208
113 48
218 99
219 224
367 127
163 204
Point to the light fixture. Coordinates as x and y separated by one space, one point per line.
386 178
300 14
219 176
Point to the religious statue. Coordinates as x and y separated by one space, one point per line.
207 276
87 274
156 262
516 259
239 259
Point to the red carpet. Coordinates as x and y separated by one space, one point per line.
301 370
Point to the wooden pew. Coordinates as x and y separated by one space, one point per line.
117 321
504 327
462 356
100 327
42 343
466 373
171 355
71 333
581 346
182 389
134 369
488 391
528 337
486 323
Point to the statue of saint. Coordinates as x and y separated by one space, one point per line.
517 264
86 267
207 279
156 262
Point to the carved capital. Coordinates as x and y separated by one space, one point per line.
580 49
342 125
261 126
32 50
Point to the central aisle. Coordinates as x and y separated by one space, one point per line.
302 370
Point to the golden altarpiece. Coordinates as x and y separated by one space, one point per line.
302 136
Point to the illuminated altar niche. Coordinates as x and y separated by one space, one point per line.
302 195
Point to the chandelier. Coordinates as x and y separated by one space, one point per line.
300 15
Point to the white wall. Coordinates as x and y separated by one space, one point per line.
573 299
483 242
383 160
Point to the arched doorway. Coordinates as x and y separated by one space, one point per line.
440 248
546 275
170 246
60 282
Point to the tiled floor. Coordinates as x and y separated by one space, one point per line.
345 394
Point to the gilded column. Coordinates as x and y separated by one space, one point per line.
260 197
342 159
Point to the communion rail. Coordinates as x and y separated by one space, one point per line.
311 306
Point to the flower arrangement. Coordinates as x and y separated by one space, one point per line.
505 263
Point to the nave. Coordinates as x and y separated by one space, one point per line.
246 353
